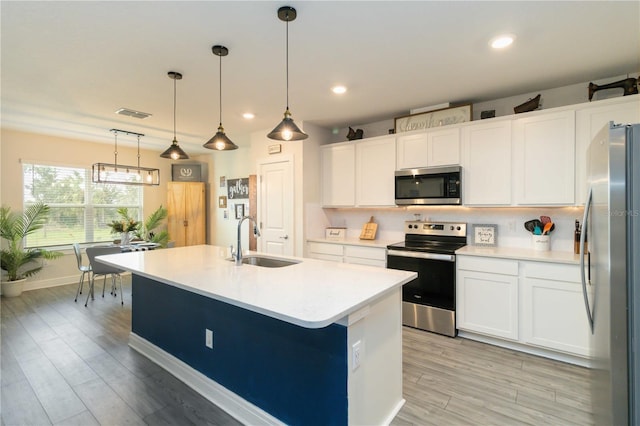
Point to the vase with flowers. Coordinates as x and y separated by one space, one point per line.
124 226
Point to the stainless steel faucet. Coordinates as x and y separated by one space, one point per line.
238 254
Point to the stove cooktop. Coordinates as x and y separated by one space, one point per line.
432 237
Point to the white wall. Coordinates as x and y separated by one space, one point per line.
550 98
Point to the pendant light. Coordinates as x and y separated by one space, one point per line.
174 152
220 141
121 174
287 129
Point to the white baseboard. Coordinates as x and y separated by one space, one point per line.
394 412
558 356
234 405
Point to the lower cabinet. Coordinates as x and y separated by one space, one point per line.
487 296
532 303
348 253
553 313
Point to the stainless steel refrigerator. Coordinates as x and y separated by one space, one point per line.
611 272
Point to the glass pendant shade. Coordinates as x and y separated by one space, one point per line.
174 152
287 130
220 141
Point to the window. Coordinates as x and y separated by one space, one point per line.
79 209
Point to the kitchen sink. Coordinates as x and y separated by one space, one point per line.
267 262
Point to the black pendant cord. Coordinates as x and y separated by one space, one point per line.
138 154
174 109
287 62
220 76
115 152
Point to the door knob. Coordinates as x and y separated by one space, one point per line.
286 237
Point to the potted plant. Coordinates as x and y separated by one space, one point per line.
125 226
148 231
143 231
19 262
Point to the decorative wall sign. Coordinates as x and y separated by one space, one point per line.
275 149
222 201
239 211
484 235
185 172
436 118
238 188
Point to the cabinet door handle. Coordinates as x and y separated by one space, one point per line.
286 237
185 223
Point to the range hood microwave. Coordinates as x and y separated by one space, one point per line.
429 186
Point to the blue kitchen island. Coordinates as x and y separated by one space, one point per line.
314 342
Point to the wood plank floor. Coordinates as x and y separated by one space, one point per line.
64 364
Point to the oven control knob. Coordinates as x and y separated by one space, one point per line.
451 228
458 228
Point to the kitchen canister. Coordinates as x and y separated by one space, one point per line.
540 242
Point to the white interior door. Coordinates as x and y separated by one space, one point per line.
275 207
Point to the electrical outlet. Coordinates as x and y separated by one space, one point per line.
356 351
208 338
511 226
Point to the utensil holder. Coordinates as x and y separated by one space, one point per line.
540 242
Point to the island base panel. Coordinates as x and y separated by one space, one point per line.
296 374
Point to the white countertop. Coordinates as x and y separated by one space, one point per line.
520 254
312 294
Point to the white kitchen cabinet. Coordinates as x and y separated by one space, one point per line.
487 296
429 148
544 158
326 251
590 118
375 167
486 163
348 253
338 175
372 256
553 312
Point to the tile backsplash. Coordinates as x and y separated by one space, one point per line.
510 221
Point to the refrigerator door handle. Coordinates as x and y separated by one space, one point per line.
587 209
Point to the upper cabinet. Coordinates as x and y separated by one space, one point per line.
431 148
592 117
486 163
544 159
338 175
375 167
533 159
359 173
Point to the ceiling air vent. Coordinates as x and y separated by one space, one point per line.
133 113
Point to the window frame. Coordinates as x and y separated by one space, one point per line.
88 206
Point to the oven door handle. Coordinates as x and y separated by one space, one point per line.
422 255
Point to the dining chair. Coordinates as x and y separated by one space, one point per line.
85 269
99 268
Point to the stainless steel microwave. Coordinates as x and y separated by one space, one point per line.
429 186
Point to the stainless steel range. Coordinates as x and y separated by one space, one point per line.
429 301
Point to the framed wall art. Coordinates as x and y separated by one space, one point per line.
239 211
484 235
435 118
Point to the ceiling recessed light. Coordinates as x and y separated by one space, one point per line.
248 115
502 41
339 90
